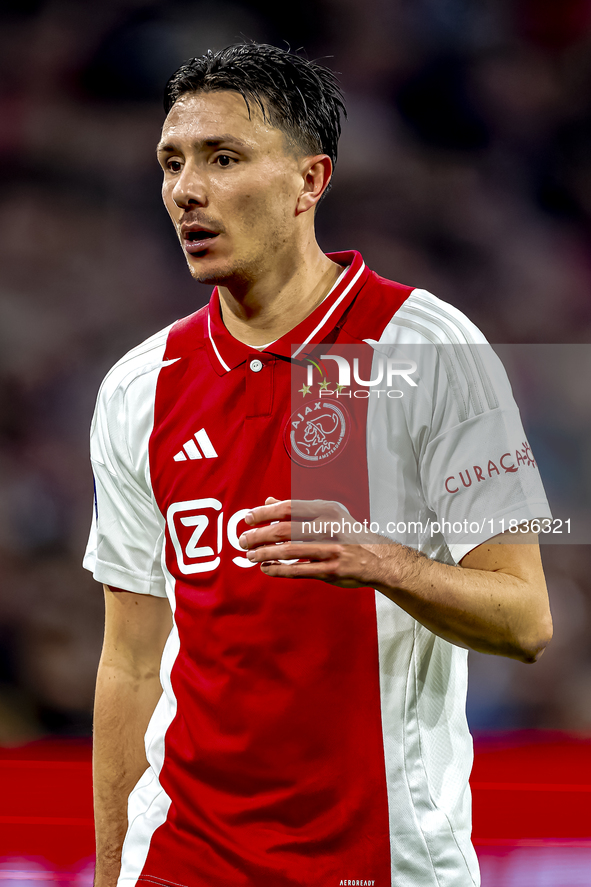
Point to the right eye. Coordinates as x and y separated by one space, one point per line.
173 165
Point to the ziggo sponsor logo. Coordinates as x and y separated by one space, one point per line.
198 530
509 462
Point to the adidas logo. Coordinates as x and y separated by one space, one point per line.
191 450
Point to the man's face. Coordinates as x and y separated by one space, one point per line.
230 186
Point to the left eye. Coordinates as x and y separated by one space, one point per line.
224 160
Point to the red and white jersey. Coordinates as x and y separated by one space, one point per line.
307 734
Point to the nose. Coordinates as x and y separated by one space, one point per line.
189 189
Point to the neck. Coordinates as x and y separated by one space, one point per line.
261 311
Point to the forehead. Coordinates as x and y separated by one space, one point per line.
203 116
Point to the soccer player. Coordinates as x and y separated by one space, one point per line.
272 711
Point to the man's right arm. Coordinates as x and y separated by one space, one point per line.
127 690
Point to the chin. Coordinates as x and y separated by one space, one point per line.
206 272
212 272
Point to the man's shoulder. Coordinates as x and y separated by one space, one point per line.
143 358
436 321
159 349
416 315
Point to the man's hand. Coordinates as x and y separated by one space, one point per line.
314 539
495 603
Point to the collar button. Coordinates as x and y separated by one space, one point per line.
256 365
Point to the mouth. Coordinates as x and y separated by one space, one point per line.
198 241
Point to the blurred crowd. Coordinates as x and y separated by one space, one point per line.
465 168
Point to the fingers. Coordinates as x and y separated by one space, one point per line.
278 513
325 571
298 509
301 521
277 532
302 570
316 522
285 531
272 510
293 550
323 547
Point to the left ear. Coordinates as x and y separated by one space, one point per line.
316 173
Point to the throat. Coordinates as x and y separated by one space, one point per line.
260 323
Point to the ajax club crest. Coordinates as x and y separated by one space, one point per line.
316 433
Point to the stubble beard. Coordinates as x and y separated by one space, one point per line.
220 276
230 274
245 269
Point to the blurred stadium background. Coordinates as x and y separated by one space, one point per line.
465 168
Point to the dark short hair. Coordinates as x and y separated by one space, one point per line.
299 97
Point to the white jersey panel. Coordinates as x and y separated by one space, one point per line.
125 548
428 753
149 803
461 408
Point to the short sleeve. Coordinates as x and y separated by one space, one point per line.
478 472
127 534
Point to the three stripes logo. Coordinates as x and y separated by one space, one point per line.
192 451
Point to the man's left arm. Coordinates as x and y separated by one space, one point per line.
495 602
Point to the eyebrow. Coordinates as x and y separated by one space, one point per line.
212 142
